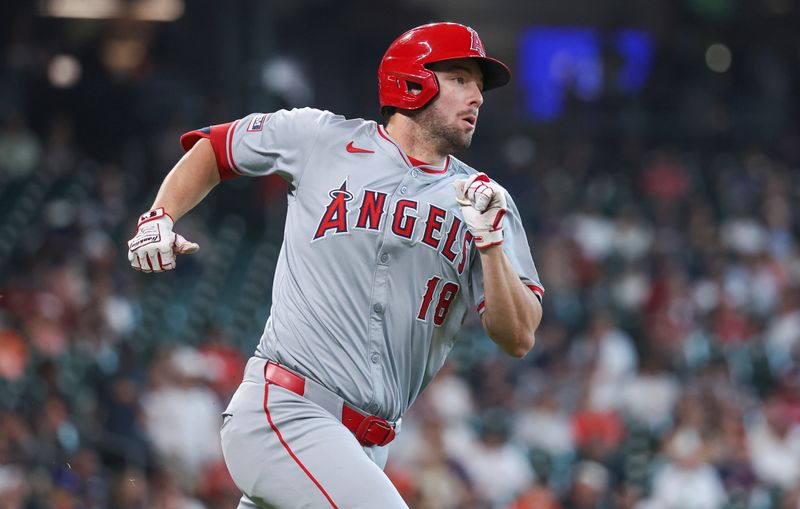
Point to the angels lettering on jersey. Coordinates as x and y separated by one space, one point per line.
405 219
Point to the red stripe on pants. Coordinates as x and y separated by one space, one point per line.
289 449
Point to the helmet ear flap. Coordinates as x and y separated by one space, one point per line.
412 90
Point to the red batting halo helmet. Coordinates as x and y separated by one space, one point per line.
406 59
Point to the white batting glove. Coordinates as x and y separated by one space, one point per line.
483 205
155 245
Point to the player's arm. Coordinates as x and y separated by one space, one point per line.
512 312
155 245
189 181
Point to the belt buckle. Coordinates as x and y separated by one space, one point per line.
370 424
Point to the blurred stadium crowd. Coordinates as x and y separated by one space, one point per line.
666 373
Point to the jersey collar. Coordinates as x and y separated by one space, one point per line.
427 168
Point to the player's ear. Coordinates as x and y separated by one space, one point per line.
414 88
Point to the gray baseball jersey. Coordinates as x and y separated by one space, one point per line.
375 276
377 269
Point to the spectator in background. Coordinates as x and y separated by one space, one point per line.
782 334
131 490
20 148
13 355
13 487
590 487
633 234
17 440
788 391
537 497
669 309
608 355
774 442
123 438
224 363
59 147
731 457
544 426
447 406
182 415
57 435
593 233
650 396
499 471
687 480
81 479
442 481
451 397
167 494
598 432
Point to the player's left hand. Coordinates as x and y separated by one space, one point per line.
483 204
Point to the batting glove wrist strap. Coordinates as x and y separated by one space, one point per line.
153 215
155 245
487 238
483 205
486 228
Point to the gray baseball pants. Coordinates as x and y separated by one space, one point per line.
285 451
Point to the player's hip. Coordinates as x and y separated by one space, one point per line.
284 451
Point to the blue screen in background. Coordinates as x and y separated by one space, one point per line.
553 60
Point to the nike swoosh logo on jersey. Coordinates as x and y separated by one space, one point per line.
356 150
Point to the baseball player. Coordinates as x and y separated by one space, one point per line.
389 242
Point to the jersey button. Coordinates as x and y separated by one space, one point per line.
403 190
378 308
375 358
384 257
414 173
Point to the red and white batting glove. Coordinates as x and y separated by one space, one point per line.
155 245
483 205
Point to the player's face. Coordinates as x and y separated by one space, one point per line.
451 117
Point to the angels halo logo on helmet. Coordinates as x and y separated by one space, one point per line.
405 82
476 44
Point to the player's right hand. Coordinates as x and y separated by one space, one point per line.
155 245
483 205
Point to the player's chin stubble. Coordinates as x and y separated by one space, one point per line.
447 138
